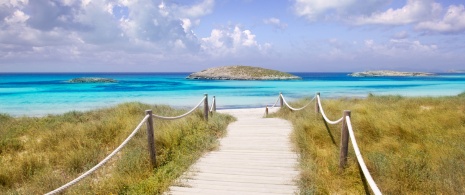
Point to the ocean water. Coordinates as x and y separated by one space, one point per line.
38 94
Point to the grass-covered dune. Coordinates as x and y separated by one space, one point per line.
38 155
410 145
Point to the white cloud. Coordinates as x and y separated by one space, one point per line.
335 9
275 22
224 42
400 48
14 3
101 32
414 11
17 17
453 21
195 11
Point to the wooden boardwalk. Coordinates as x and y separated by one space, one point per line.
255 157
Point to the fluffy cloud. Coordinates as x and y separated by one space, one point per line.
453 21
335 9
232 41
276 23
413 11
102 30
195 11
424 15
81 33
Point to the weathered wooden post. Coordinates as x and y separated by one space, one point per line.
150 139
214 105
317 107
266 111
281 102
344 141
205 108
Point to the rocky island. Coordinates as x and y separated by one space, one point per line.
91 80
389 73
241 73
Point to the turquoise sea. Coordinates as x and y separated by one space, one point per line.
38 94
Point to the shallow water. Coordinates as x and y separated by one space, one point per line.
40 94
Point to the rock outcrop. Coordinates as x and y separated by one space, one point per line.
242 73
389 73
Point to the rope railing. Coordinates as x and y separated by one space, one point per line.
151 142
279 97
324 115
346 132
296 109
101 163
360 160
182 115
283 102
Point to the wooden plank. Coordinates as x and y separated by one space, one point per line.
243 187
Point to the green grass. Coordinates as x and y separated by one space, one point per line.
39 154
410 145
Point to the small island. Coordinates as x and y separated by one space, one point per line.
389 73
242 73
91 80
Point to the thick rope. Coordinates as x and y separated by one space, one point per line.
364 168
275 102
296 109
101 163
324 115
180 116
213 103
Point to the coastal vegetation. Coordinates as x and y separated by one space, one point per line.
410 145
92 80
39 154
241 73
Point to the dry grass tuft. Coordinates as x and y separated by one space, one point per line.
410 145
38 155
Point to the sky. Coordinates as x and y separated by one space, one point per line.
192 35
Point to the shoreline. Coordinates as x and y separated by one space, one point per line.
41 95
220 107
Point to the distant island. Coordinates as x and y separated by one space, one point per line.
456 71
242 73
92 80
389 73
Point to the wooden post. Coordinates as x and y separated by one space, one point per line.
266 111
205 108
344 141
317 108
150 139
281 102
214 104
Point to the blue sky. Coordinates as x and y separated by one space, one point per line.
187 36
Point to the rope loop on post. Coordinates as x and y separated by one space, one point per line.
180 116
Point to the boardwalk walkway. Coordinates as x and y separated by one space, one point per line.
255 157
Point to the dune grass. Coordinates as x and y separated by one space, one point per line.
410 145
39 154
